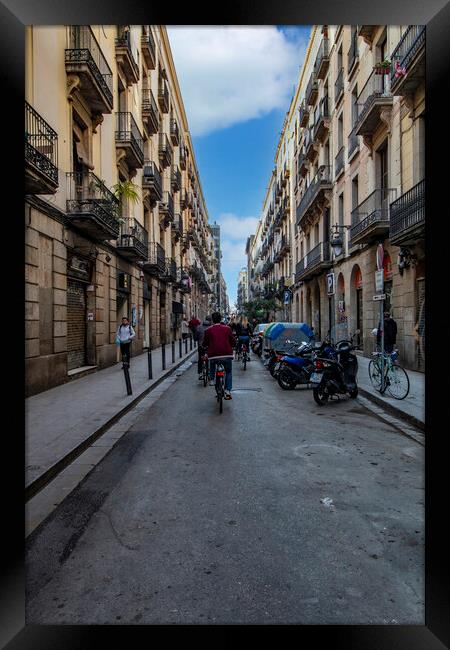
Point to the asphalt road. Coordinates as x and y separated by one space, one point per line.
276 511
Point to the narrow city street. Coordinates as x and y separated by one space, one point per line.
276 511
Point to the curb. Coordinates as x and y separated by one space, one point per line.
392 409
44 479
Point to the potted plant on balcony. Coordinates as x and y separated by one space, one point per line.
383 67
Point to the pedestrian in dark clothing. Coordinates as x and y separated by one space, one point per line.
200 331
390 332
124 335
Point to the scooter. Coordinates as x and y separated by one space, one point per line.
256 344
335 376
296 368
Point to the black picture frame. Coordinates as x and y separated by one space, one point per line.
14 15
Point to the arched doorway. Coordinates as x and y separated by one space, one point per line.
317 324
356 297
341 310
309 307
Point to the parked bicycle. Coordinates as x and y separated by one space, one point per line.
394 380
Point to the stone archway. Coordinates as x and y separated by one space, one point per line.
356 312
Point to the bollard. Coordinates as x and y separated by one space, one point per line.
163 355
173 351
126 372
149 361
185 346
181 348
190 341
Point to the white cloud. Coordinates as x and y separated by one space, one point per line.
233 227
232 74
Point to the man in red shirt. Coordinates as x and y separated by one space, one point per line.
219 341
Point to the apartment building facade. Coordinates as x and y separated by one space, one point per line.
116 221
357 169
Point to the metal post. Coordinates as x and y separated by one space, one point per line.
126 373
190 341
149 360
382 345
185 346
173 351
163 355
180 348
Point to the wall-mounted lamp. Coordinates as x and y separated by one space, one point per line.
405 259
337 239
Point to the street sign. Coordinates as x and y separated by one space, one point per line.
379 280
380 296
330 284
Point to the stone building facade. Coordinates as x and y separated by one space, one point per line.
115 219
354 136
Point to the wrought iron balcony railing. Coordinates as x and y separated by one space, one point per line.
84 57
92 206
322 59
339 162
41 154
352 55
312 89
321 181
133 240
156 261
166 206
176 179
372 213
150 111
149 49
163 95
411 43
129 137
314 261
321 118
125 56
151 180
174 131
304 114
165 150
171 269
407 214
375 92
353 143
339 86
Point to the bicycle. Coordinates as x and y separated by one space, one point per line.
395 379
205 369
245 357
220 384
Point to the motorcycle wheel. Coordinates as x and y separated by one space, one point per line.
354 393
285 381
320 396
272 369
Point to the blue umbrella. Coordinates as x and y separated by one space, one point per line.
278 333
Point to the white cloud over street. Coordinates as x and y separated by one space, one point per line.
232 74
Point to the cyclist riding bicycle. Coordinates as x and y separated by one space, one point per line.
244 331
200 331
219 341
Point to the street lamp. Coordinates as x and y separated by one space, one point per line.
337 239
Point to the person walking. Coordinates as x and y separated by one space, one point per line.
219 341
200 332
124 335
390 332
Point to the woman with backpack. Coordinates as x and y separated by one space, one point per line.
124 335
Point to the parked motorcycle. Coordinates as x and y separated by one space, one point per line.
335 373
256 344
296 368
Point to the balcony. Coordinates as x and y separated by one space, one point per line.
165 151
370 219
148 50
339 86
166 208
315 262
41 154
339 163
303 163
177 226
183 157
410 55
185 281
407 217
316 194
373 99
322 59
91 207
176 179
352 54
150 112
174 132
91 73
125 58
129 139
312 89
151 181
353 145
156 261
163 95
133 241
321 120
304 114
171 270
310 149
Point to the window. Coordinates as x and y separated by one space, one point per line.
340 132
354 192
341 209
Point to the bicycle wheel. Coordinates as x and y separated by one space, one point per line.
375 374
398 382
245 361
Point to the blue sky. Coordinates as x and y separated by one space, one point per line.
237 83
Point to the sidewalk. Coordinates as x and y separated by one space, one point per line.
412 408
61 419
